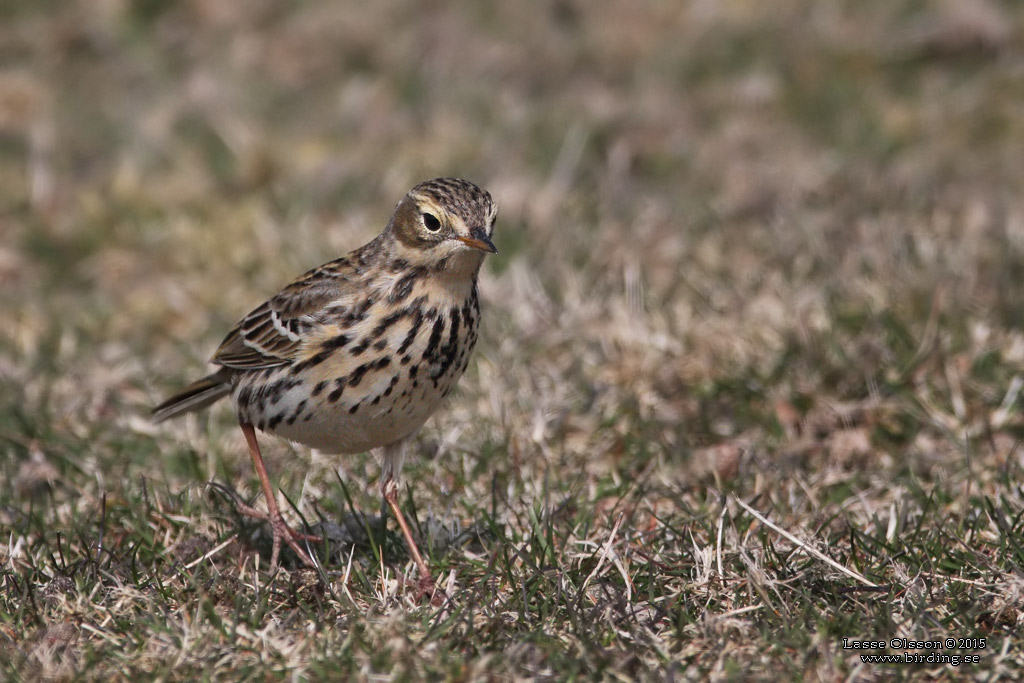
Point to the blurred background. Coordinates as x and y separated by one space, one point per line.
693 195
775 247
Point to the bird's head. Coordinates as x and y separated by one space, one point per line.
444 224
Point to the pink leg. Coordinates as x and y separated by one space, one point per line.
390 491
273 515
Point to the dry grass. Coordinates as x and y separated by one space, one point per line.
757 259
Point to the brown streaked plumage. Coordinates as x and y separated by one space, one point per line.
358 353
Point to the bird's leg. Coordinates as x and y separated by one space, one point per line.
394 456
390 490
273 515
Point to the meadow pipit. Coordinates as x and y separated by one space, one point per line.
358 353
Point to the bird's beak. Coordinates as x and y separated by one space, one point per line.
480 241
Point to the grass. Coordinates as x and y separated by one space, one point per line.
749 376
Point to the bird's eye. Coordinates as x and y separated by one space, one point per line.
431 222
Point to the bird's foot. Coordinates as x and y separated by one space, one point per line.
280 530
426 591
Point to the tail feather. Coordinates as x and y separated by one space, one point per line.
195 396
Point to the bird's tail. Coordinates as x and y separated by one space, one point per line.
195 396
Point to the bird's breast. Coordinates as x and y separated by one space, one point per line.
369 379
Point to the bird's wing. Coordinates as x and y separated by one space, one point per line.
272 334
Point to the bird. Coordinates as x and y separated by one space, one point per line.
356 354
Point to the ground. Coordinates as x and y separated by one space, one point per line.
748 384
